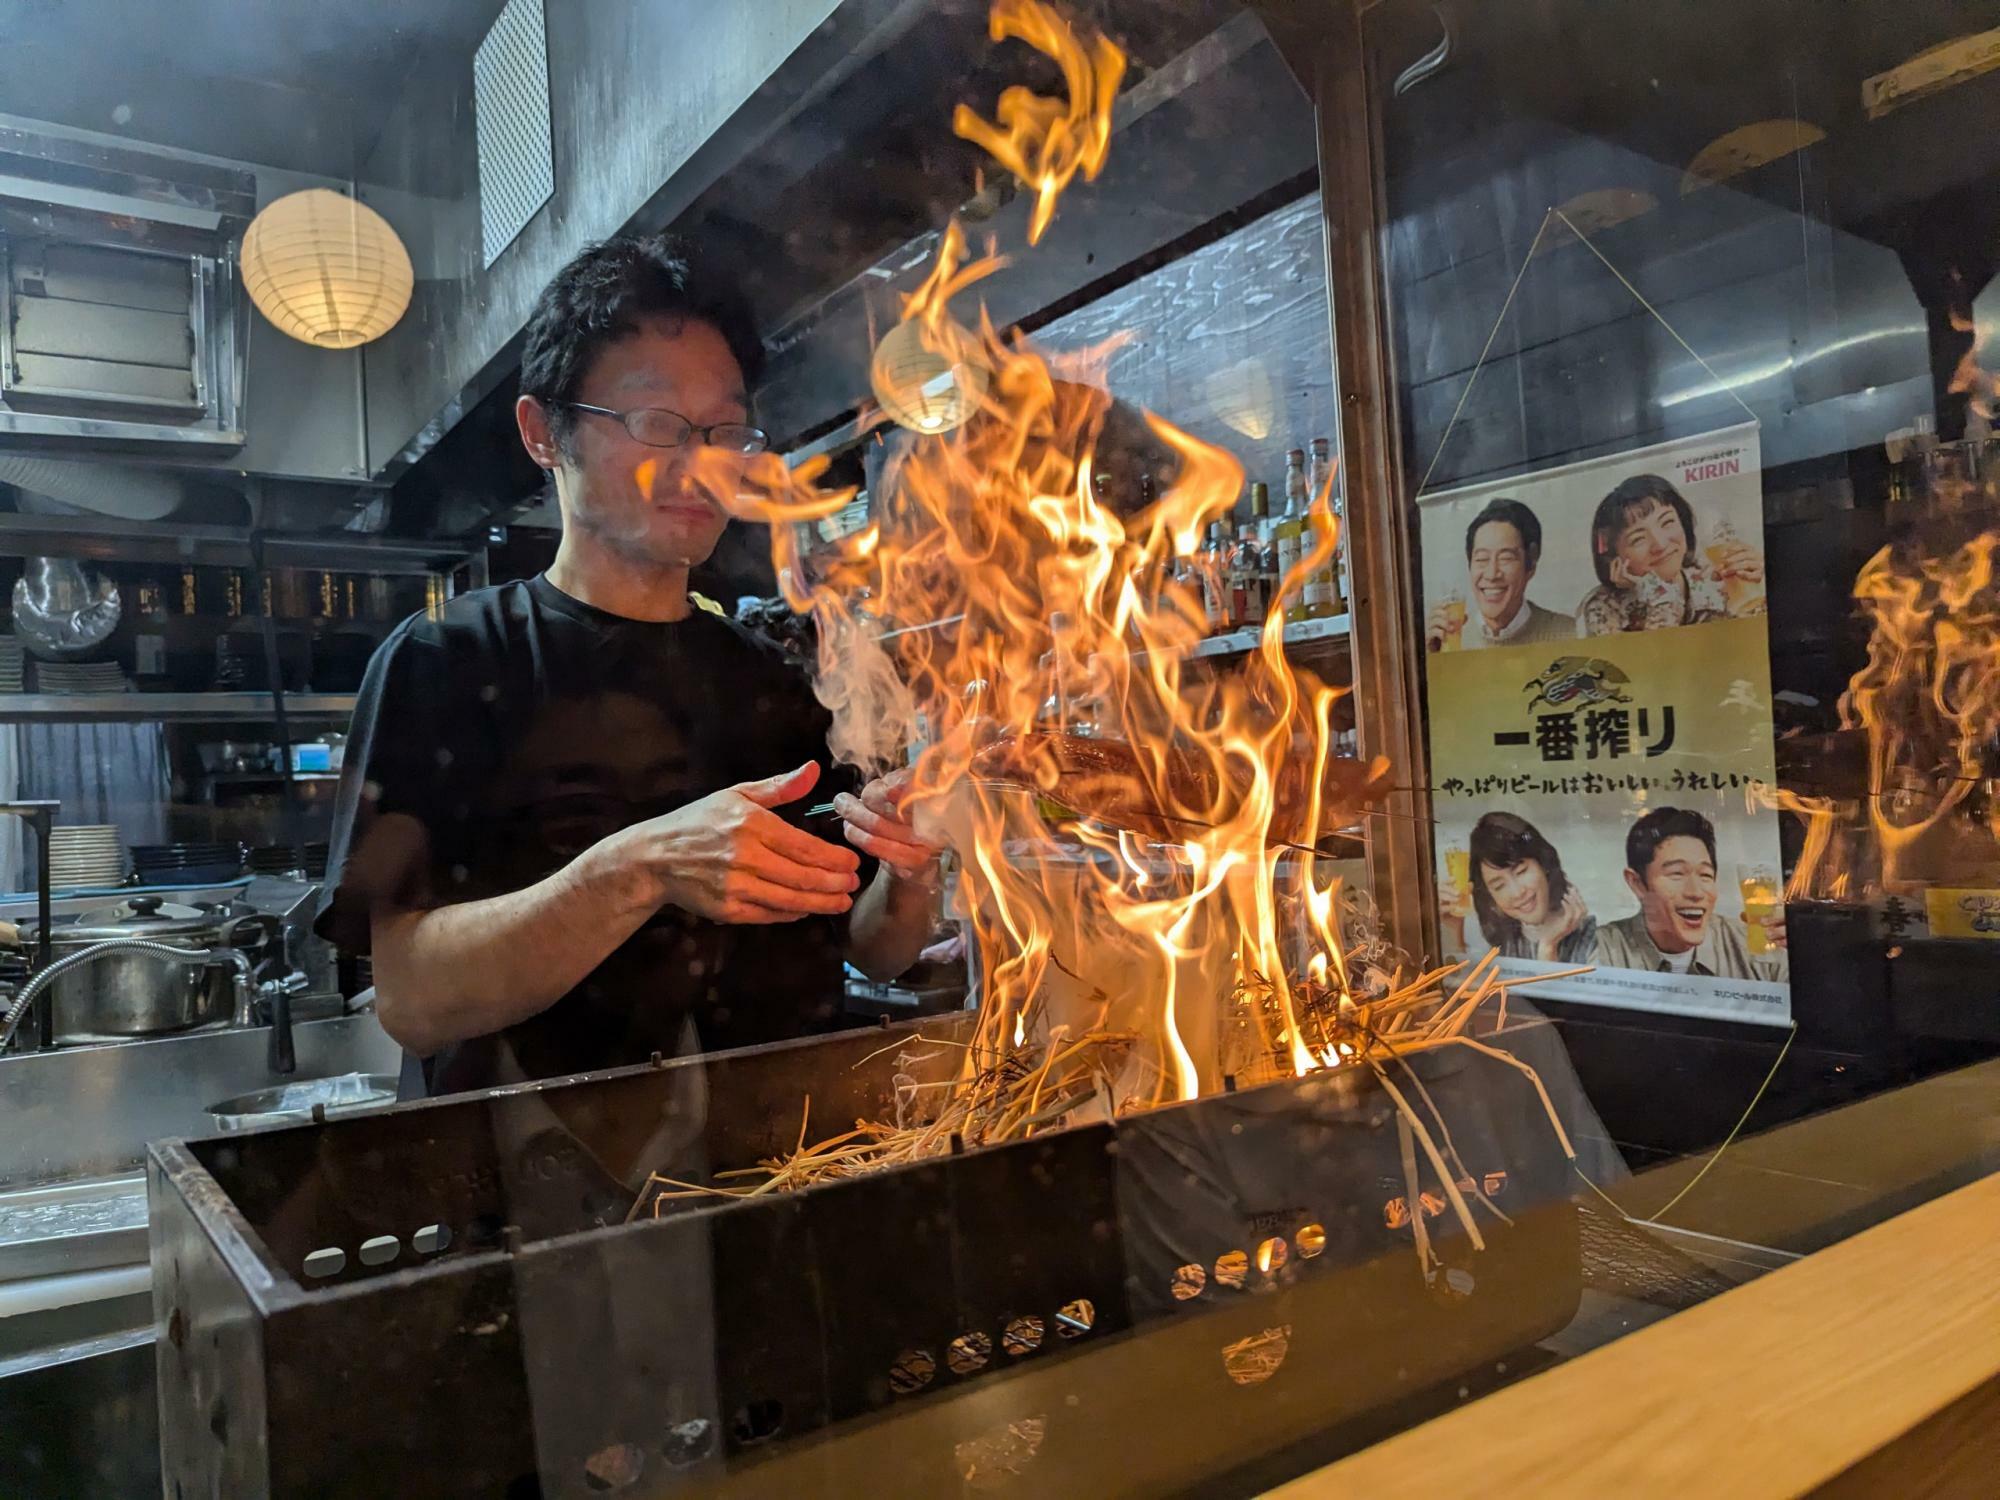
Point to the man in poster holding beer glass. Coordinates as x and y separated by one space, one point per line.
1503 546
1671 867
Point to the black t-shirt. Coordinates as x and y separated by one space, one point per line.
521 726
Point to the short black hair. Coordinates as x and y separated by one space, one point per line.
1502 840
609 292
1659 825
1633 498
1516 515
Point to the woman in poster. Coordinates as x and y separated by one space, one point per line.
1650 573
1526 906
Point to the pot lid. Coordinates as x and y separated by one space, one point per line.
142 916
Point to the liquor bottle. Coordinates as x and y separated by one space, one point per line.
1247 599
1322 591
1341 582
1291 529
1267 546
1215 580
1182 587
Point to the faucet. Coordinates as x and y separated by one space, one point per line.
40 816
275 995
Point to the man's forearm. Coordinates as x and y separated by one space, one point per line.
448 973
892 921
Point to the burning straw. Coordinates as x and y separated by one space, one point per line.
1001 1097
1013 1094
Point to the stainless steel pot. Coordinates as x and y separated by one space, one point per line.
126 995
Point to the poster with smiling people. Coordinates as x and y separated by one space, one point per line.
1599 693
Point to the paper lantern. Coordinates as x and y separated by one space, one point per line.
326 269
918 387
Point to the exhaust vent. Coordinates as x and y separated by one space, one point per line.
120 319
510 100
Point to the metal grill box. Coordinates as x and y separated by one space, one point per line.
1112 1307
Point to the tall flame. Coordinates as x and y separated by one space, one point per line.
1045 142
1980 387
1929 696
1119 816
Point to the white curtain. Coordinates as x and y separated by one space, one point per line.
101 773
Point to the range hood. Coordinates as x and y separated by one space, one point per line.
122 322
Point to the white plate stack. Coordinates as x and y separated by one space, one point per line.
13 662
79 677
88 855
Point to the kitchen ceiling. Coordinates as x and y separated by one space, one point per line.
1668 81
300 84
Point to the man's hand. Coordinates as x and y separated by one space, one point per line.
729 858
874 823
1774 927
1440 630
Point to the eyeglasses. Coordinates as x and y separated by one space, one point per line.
658 428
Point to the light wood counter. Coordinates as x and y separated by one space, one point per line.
1869 1368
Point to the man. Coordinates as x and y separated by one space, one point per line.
571 830
1503 545
1670 867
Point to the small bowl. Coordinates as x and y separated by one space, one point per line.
345 1093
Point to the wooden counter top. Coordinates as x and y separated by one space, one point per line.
1871 1368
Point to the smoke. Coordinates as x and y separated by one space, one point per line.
874 711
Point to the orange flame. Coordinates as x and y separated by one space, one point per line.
1980 386
1118 814
1045 142
1812 877
1929 695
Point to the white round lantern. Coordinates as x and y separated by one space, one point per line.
918 387
326 269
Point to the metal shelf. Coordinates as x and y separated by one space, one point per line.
108 539
253 778
1237 642
146 708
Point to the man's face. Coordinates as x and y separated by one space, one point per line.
661 506
1500 571
1676 893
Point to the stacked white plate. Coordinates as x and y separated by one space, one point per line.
70 677
86 855
12 664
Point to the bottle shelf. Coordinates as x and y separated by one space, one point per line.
1238 642
143 708
1232 643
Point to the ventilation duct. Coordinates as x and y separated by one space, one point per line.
63 608
122 490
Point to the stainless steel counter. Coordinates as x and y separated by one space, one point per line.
87 1112
71 1227
76 1320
